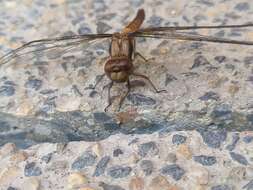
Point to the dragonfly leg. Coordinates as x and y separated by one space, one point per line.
98 80
125 95
109 96
150 82
141 56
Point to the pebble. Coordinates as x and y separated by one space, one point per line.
119 171
76 180
235 139
178 139
221 187
185 151
243 6
101 117
220 59
159 183
248 139
117 152
101 166
110 187
210 96
200 61
11 188
136 183
86 160
239 158
249 185
33 83
31 184
174 171
32 170
7 149
171 157
199 175
147 167
103 27
149 148
7 90
213 138
139 99
205 160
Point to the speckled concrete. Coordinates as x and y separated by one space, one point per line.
46 98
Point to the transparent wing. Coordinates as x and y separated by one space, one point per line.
175 33
61 45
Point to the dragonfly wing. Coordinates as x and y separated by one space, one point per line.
61 45
172 34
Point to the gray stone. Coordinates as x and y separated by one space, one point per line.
248 139
101 117
7 90
248 186
235 139
103 27
222 112
210 96
12 188
220 58
110 187
4 126
47 158
200 60
239 158
32 170
178 139
139 99
243 6
213 138
248 61
147 167
33 83
119 171
205 160
149 148
169 78
101 166
86 160
174 171
117 152
221 187
155 21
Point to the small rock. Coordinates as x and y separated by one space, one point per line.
119 171
185 151
139 99
87 159
12 188
33 83
101 117
210 96
58 165
110 187
248 61
220 59
178 139
76 180
101 166
200 61
235 139
155 20
147 167
243 6
233 89
171 157
221 187
32 170
19 157
31 184
222 111
136 183
205 160
103 27
248 139
159 183
248 186
7 90
239 158
7 149
47 158
97 149
169 78
199 175
213 138
238 174
117 152
174 171
149 148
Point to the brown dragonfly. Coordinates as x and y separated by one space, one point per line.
119 65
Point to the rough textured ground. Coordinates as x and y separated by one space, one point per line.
198 134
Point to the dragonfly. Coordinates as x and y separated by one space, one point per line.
122 50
